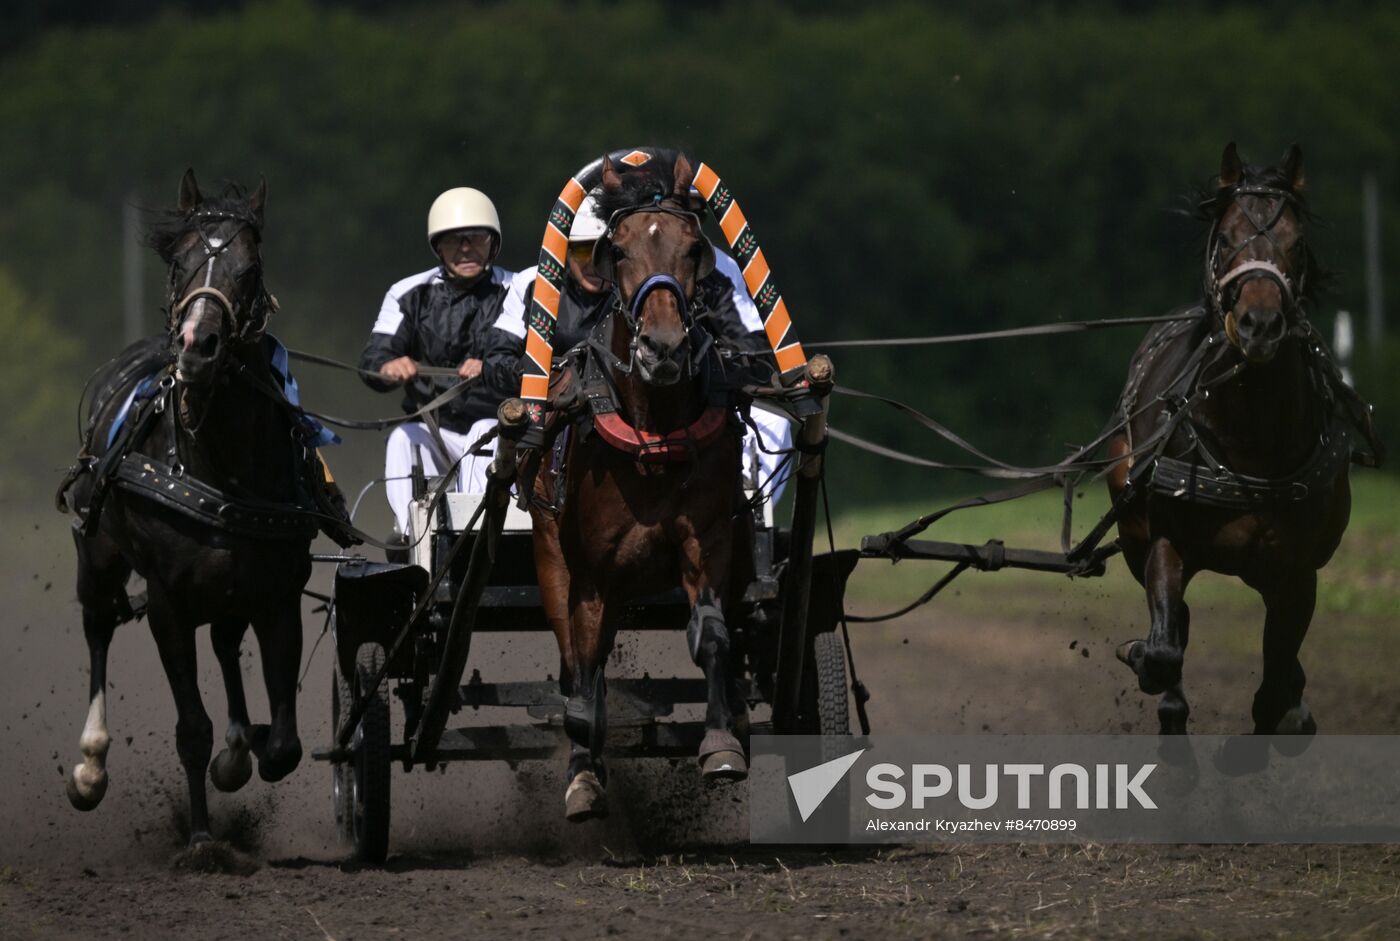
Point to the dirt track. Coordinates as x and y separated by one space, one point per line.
482 851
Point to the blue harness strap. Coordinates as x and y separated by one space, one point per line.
317 434
141 391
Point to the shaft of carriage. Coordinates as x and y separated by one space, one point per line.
793 627
442 694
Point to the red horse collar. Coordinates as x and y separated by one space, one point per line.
648 447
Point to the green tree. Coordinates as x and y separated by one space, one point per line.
35 353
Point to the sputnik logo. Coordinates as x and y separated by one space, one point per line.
811 787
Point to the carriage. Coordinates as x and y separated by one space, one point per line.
403 631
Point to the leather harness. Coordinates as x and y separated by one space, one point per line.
599 397
169 485
1199 476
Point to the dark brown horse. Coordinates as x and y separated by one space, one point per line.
634 523
1256 431
198 425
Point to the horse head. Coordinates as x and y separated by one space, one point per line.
216 299
1257 260
654 252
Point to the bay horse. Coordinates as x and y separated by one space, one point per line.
1255 429
638 518
185 473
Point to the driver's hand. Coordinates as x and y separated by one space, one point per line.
470 369
400 370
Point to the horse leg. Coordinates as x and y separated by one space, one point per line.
1278 705
586 711
102 575
194 733
1158 660
1133 530
721 754
232 766
279 640
553 576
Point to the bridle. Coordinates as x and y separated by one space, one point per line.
1219 255
182 298
605 264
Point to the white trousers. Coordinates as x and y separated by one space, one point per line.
414 440
762 463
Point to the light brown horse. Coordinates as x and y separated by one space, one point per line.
638 521
1253 478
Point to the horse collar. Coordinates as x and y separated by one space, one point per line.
649 447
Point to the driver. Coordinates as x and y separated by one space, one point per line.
442 317
586 299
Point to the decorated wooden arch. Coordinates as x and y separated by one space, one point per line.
553 269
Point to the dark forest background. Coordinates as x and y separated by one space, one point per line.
910 169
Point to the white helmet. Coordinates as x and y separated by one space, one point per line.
587 226
463 208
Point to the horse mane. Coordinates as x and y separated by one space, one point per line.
640 185
1208 202
165 227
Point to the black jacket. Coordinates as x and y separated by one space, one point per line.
440 323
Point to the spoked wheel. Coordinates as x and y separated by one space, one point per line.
825 711
367 773
833 707
341 771
825 706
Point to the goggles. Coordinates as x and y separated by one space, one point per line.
479 239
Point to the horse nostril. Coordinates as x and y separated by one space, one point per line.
651 346
1262 324
207 346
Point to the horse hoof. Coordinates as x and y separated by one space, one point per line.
1242 754
1158 670
1176 751
1130 653
231 770
276 764
585 799
199 837
86 789
1294 731
722 757
207 855
724 766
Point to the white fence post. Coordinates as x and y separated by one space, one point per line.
1343 344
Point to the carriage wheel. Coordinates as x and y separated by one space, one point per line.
368 771
826 712
832 712
341 772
